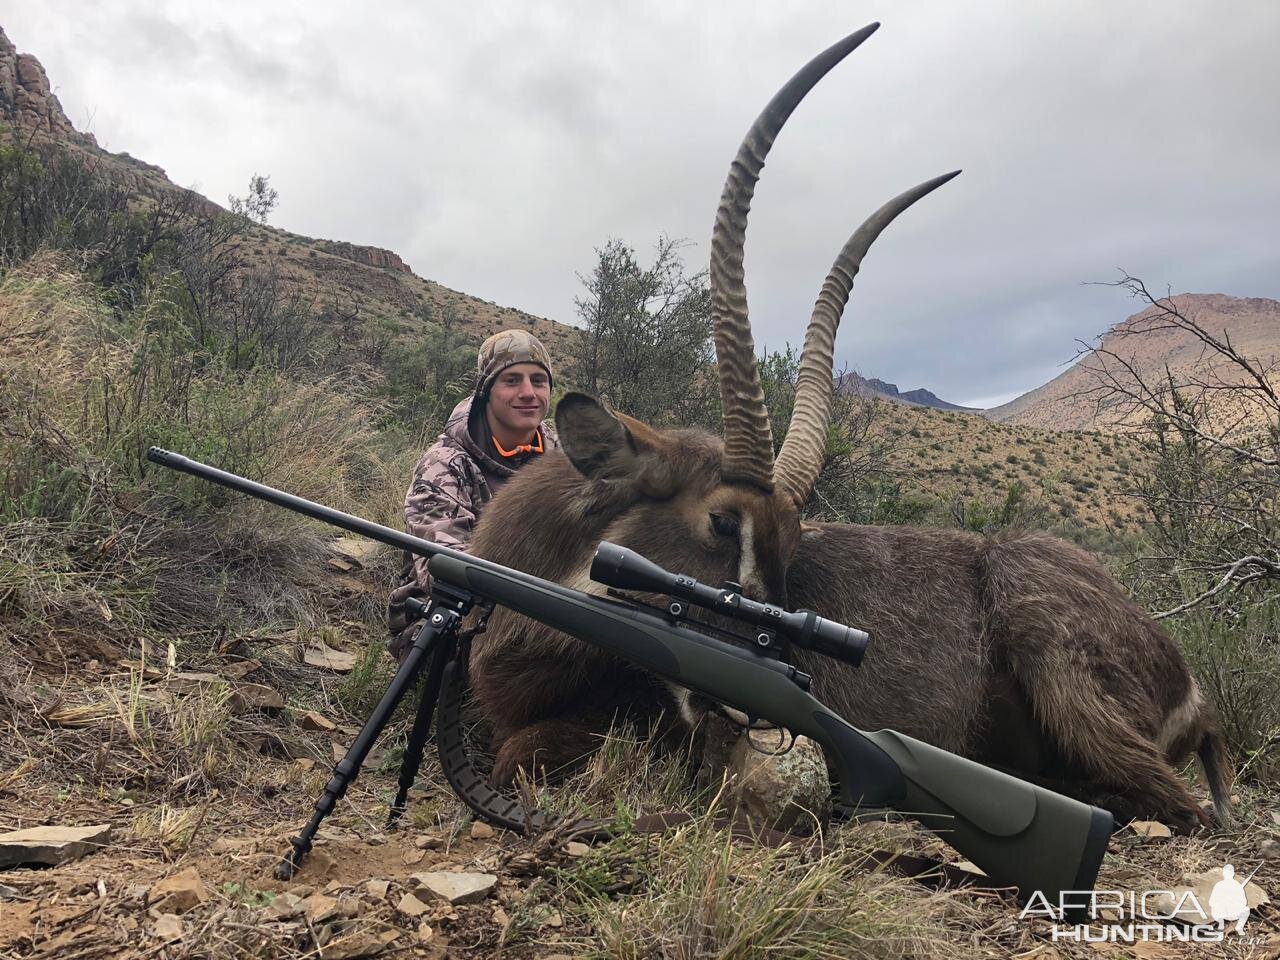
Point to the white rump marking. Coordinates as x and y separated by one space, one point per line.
1185 714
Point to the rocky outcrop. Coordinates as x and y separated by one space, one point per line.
927 398
369 256
859 386
375 279
27 102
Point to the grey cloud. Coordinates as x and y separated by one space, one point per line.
495 145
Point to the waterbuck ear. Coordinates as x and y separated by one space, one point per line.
809 532
604 445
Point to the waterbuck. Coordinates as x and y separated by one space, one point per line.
1018 651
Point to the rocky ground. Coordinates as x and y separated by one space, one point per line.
179 858
183 771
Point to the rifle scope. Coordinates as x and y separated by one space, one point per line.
616 566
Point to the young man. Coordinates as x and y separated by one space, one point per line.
487 438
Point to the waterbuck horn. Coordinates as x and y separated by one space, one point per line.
801 457
748 443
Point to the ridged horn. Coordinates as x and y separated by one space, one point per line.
800 459
748 443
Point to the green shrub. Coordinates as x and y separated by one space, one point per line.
1237 659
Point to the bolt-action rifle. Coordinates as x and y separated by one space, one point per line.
1019 834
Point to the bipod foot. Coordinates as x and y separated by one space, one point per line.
394 815
291 862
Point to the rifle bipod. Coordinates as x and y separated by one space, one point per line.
436 640
437 647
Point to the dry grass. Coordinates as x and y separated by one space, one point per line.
697 892
94 540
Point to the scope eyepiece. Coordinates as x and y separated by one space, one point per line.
832 639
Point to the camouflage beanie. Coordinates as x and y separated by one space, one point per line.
504 349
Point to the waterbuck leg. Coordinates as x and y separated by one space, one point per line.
1113 757
547 749
1100 677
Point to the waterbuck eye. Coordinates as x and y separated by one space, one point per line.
724 524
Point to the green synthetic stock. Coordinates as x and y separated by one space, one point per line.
1019 834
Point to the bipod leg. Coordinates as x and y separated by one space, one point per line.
427 701
440 623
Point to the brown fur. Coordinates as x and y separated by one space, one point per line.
1018 651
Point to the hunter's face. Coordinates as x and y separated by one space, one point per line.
519 399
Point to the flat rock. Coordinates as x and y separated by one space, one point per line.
284 907
319 908
50 845
8 893
240 669
481 831
169 927
310 720
319 655
411 906
377 889
429 842
188 679
178 893
456 888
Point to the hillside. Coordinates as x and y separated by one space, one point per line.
1253 325
937 450
374 283
966 462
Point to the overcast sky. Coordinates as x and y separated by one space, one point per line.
493 146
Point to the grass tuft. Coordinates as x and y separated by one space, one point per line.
697 892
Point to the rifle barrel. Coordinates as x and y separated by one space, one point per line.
309 508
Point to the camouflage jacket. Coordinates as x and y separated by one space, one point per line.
451 484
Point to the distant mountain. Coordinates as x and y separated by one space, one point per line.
374 282
857 385
1253 324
